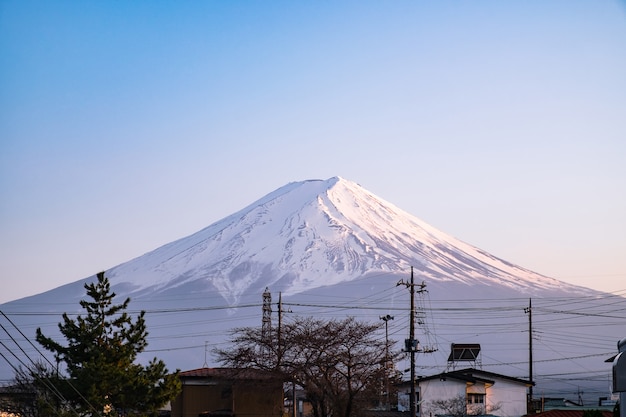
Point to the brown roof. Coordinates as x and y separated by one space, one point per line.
231 374
384 413
569 413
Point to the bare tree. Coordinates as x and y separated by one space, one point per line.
35 392
458 407
338 362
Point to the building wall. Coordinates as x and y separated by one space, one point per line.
509 398
435 389
244 399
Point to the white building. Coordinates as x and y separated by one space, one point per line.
467 391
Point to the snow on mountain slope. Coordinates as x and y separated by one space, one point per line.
317 233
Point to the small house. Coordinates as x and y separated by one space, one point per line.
229 392
467 392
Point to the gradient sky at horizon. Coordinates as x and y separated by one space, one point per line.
127 125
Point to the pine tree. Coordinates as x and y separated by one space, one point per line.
100 356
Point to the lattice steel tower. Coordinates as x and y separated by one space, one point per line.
266 328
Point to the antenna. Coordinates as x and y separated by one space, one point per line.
205 365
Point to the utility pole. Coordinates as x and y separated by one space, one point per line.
529 311
280 328
294 405
386 320
410 344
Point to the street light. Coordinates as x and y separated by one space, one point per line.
386 320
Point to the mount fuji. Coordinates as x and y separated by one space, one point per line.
312 234
331 248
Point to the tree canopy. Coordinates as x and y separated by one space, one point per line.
339 363
99 358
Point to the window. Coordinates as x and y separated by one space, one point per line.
475 398
417 402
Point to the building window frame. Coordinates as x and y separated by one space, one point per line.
475 398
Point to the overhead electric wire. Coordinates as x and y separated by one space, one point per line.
69 383
455 319
33 372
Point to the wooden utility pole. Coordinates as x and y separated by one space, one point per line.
529 311
280 329
294 405
410 344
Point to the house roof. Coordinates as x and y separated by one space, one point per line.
384 413
231 374
549 402
475 375
569 413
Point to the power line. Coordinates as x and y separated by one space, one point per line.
34 371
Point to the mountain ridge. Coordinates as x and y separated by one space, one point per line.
316 233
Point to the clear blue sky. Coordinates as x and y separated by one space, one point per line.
126 125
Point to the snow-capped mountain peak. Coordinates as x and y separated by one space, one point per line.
311 234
